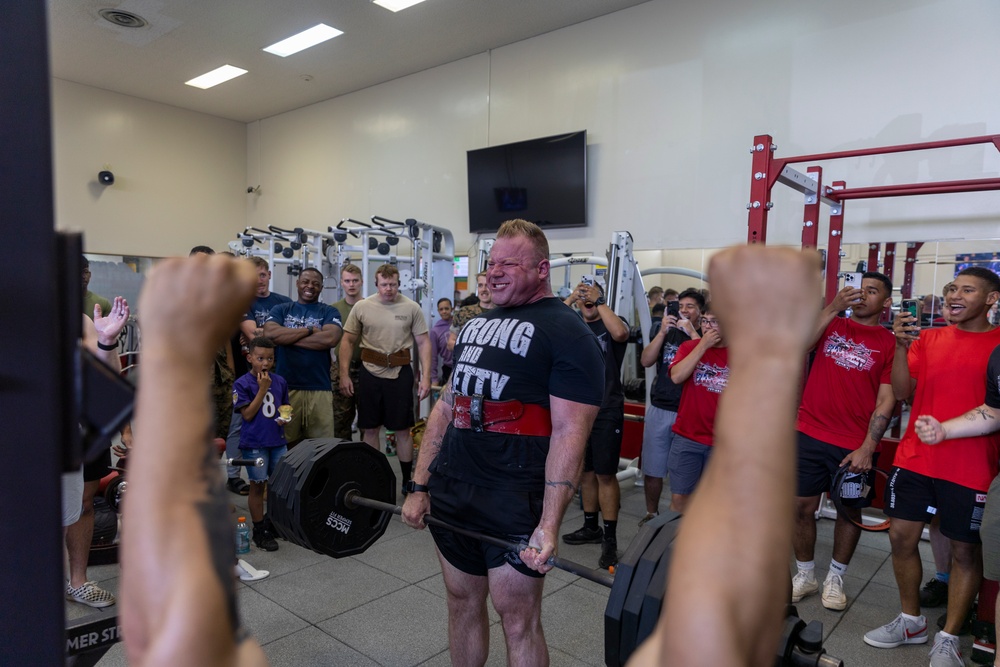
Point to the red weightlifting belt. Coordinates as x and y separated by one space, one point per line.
511 417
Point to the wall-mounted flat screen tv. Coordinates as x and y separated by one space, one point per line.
540 180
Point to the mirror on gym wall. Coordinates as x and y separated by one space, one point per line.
936 263
119 275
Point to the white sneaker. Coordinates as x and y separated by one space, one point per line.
945 652
804 583
833 593
900 631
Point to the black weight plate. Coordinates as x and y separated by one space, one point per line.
619 590
324 469
641 576
291 471
652 603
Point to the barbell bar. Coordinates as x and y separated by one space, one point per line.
352 498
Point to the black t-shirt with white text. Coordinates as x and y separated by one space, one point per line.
614 355
665 394
528 353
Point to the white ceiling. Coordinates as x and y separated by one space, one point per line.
186 38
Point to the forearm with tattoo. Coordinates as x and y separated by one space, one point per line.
979 412
567 483
877 427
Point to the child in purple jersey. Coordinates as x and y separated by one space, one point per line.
258 395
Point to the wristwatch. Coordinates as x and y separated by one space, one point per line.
600 301
412 487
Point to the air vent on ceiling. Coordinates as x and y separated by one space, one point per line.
123 19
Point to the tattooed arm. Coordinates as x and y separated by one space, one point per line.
860 460
178 598
982 420
418 504
571 424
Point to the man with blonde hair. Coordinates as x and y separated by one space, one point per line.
385 326
504 446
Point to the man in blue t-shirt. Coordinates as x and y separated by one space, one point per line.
251 327
305 331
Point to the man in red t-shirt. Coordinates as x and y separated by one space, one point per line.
846 407
942 373
703 367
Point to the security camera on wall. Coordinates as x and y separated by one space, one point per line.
106 178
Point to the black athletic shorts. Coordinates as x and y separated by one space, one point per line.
510 515
384 402
98 468
604 446
818 462
914 497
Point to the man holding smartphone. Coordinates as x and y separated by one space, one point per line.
845 409
680 323
599 485
941 371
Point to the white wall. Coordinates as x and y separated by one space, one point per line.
179 175
672 95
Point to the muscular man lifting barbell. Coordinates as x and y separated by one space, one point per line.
178 602
503 449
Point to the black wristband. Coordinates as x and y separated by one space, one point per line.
412 487
108 348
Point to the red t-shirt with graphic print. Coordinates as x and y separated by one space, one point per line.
700 397
851 361
948 366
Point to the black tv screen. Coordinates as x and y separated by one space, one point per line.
541 180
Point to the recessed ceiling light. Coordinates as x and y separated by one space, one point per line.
311 37
216 76
397 5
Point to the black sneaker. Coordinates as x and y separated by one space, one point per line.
584 536
238 486
934 594
269 528
264 540
609 554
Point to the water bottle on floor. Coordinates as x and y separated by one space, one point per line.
390 443
242 536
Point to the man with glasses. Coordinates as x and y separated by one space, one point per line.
702 366
665 397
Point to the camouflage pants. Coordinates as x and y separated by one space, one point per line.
344 407
222 395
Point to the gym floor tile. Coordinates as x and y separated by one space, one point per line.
578 633
313 648
410 557
326 589
403 628
265 619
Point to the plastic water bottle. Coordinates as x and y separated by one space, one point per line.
242 536
390 443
